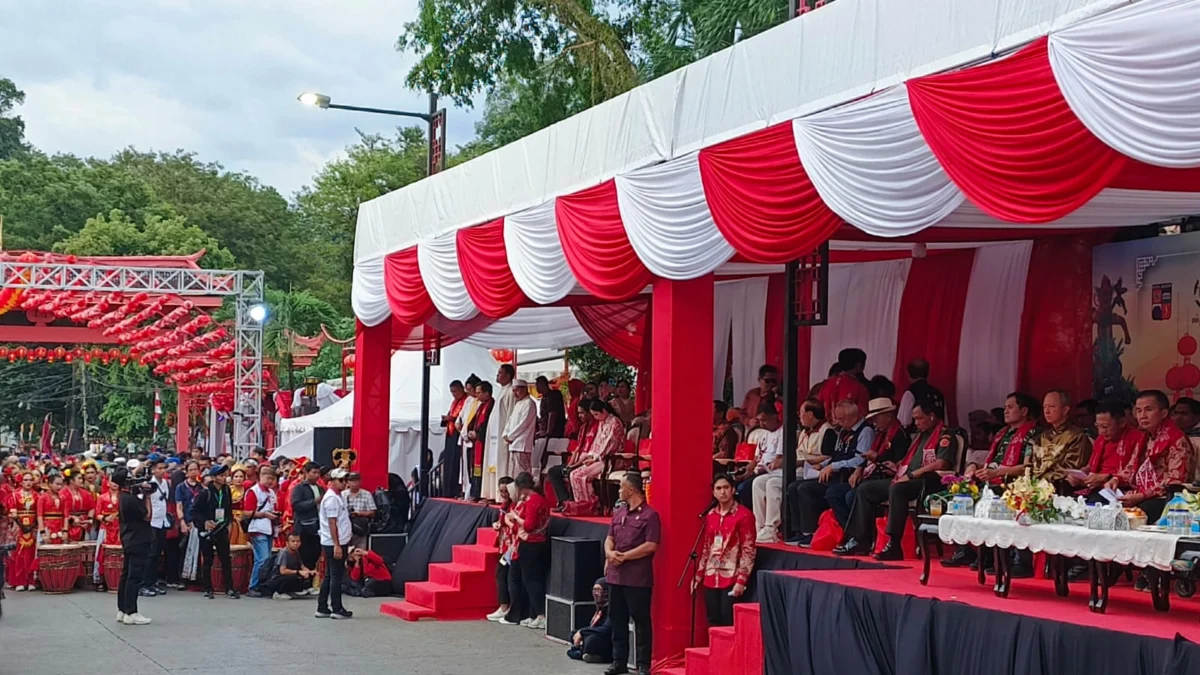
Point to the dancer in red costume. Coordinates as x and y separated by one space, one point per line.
80 506
22 507
52 520
107 510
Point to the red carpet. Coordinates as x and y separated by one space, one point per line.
1128 610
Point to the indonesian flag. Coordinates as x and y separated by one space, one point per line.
157 412
47 441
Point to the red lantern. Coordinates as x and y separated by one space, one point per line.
348 361
124 359
87 358
1189 374
1174 378
30 358
21 352
3 352
59 352
50 359
114 353
503 355
40 352
69 358
97 352
77 352
1187 345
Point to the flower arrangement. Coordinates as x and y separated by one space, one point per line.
1071 509
1032 500
958 485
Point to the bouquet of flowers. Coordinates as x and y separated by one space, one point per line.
1032 500
958 485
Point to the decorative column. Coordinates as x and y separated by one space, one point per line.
372 401
183 422
682 445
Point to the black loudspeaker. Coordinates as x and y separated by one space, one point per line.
564 617
328 439
575 564
388 546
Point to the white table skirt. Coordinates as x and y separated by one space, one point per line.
1143 549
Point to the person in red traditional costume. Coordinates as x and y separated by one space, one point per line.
108 508
453 437
1164 460
1119 437
22 562
52 517
476 433
80 506
727 552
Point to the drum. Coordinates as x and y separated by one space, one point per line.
114 560
243 562
58 567
88 564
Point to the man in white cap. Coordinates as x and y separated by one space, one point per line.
887 449
520 428
335 538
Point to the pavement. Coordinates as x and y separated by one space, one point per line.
77 633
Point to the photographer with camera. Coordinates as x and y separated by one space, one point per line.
212 515
136 539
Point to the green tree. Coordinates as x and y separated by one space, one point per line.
289 315
12 127
328 364
117 234
591 363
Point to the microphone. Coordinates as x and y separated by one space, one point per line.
711 505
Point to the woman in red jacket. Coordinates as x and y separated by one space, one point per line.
367 569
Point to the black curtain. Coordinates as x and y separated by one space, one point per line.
439 526
817 628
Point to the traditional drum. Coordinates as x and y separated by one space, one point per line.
114 560
58 567
242 559
88 562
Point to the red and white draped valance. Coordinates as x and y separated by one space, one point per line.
1095 125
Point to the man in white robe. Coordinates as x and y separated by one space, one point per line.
520 429
496 457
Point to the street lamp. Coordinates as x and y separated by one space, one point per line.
436 118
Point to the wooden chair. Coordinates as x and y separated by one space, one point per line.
618 464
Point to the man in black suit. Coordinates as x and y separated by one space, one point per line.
306 501
212 516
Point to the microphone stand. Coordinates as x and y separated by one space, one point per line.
692 562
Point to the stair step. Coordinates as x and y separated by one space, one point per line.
678 670
456 574
695 660
486 536
721 643
474 555
406 610
748 642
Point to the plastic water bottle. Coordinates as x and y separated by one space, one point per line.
1178 517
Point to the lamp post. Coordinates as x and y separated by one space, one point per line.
436 119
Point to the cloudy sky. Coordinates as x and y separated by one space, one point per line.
218 77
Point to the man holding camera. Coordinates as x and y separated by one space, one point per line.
212 515
136 539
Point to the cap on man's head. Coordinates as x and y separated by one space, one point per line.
338 474
218 469
520 383
353 475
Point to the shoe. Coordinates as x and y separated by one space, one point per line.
147 593
963 557
595 658
538 623
525 622
322 614
767 537
136 620
852 547
497 615
890 553
341 614
505 622
616 669
18 589
803 541
278 596
232 594
254 593
160 591
120 617
297 596
1141 584
314 591
208 595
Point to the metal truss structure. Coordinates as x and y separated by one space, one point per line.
246 287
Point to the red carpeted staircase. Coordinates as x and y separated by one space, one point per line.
730 651
464 588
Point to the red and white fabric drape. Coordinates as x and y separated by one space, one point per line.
1095 125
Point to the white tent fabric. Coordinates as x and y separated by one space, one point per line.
1129 77
535 254
668 222
368 298
795 69
437 258
533 328
871 166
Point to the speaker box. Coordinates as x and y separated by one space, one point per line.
328 439
575 564
388 546
564 617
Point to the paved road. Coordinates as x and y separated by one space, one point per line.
77 633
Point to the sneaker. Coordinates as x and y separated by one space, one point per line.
208 595
505 622
538 623
803 541
525 622
278 596
497 615
254 593
321 614
617 669
120 617
233 595
595 658
341 614
136 620
314 591
147 593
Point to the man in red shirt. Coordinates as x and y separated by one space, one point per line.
849 383
1119 437
367 569
531 518
727 553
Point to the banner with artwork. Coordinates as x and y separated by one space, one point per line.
1146 316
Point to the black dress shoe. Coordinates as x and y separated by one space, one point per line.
852 547
890 553
233 595
963 556
208 595
803 541
616 669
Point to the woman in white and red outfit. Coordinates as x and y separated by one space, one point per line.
610 438
505 543
1164 460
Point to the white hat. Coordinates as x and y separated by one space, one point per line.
120 460
338 474
520 383
879 405
132 464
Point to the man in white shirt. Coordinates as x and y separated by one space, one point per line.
335 536
262 503
520 428
767 488
159 524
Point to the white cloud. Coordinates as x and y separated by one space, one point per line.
218 77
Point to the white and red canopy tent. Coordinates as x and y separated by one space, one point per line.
874 124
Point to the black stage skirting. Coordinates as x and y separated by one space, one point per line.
814 627
793 559
440 525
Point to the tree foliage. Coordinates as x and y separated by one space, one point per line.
591 363
119 235
12 127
